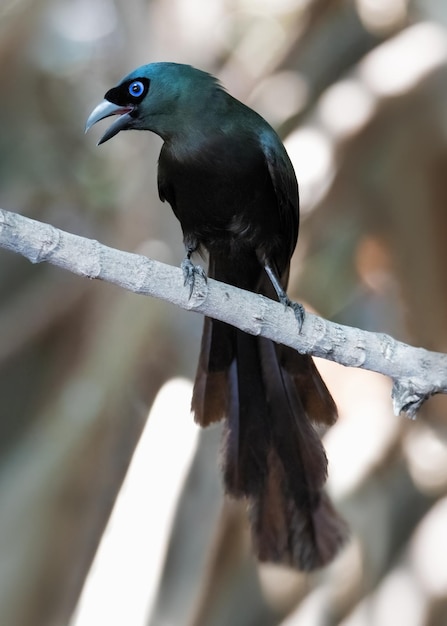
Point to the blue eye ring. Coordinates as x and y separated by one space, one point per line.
136 89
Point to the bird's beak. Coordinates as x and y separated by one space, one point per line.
106 109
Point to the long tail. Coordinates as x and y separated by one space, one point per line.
273 456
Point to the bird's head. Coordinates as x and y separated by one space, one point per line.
161 97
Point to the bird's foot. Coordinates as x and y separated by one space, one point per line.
297 309
191 272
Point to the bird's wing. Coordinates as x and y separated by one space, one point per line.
285 185
284 181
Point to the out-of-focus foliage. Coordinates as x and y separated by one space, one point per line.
358 90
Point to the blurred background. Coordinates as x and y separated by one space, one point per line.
357 89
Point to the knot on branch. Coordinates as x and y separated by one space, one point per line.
408 396
49 242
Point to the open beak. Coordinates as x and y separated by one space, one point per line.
106 109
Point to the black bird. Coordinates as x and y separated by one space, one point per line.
230 182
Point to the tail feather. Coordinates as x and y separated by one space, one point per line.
210 397
247 438
296 523
269 396
290 535
314 395
293 437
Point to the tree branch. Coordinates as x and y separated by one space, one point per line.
417 374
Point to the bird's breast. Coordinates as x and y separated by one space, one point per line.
220 191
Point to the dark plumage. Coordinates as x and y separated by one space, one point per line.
230 182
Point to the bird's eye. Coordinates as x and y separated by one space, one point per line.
136 89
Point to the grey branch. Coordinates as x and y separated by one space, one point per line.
417 374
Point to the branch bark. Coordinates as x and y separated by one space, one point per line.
417 373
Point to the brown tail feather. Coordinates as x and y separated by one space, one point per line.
305 538
269 396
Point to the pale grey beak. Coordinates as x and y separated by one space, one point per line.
106 109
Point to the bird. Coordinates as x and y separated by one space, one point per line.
230 182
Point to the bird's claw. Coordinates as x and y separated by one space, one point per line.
297 309
299 312
190 273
